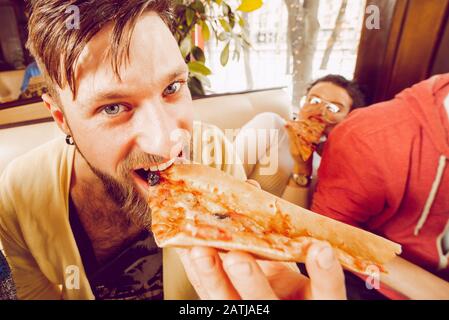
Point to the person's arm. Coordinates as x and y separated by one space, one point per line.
295 192
351 190
29 280
414 282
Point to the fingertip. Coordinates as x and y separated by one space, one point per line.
197 252
322 255
247 277
237 256
325 272
238 263
213 282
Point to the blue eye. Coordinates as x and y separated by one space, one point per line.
172 88
113 109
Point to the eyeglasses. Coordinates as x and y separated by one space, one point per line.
332 107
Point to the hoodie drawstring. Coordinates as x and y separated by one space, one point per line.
432 194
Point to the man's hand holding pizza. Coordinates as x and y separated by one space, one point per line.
206 212
238 275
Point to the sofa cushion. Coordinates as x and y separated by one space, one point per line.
233 111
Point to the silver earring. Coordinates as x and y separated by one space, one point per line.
69 140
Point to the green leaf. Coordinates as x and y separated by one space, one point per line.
237 44
242 22
237 47
246 40
226 8
204 80
196 87
190 14
224 58
199 67
236 55
250 5
198 6
223 36
198 54
231 17
205 31
186 46
225 25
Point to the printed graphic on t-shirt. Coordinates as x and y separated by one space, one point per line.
136 274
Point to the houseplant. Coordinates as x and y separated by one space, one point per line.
221 20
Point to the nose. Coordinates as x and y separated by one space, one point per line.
154 125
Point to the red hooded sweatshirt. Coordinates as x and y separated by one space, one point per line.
385 169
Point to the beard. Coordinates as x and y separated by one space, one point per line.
123 191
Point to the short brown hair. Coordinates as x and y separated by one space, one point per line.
57 48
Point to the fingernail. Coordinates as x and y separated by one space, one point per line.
325 258
239 269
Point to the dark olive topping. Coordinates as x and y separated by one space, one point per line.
154 178
221 216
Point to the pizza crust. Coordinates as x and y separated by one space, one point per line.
184 203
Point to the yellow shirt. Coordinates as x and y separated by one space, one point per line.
34 220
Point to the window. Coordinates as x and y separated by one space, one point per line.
269 62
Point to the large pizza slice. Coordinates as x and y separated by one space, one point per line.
195 205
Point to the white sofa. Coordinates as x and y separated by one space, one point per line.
225 111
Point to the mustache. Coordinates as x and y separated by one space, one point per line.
135 206
138 158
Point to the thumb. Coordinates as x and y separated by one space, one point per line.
327 281
247 277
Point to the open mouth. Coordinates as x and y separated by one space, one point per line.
317 119
150 173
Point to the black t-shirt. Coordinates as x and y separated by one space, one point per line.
134 274
7 287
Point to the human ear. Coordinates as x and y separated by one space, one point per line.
56 112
